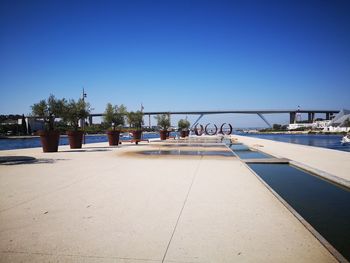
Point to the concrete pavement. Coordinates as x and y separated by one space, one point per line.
102 204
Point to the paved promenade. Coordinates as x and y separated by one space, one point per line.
105 204
333 162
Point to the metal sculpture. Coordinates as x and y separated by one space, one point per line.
200 132
204 130
222 131
210 133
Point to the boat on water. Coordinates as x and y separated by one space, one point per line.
345 139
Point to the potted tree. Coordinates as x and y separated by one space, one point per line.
115 117
163 121
135 120
184 127
49 110
73 112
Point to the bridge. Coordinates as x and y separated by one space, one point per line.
292 114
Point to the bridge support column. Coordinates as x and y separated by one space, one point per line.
149 121
292 117
311 117
263 118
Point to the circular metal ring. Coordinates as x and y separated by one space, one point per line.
222 129
210 133
200 132
222 125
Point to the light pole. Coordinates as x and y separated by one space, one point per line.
83 123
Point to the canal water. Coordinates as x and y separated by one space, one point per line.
319 140
324 205
244 152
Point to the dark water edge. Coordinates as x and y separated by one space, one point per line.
11 144
324 205
318 140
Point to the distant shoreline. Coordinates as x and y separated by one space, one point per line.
296 132
15 137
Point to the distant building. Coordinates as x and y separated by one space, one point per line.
34 124
340 122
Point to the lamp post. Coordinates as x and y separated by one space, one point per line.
83 123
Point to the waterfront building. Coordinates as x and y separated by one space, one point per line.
340 122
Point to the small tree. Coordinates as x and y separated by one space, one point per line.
135 119
74 111
49 110
163 121
277 127
183 124
115 115
24 125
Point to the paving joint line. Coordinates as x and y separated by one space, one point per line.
183 206
72 255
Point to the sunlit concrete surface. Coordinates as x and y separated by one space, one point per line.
107 204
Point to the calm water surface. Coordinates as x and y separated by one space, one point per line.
325 141
324 205
9 144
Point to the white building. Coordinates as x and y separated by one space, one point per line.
294 126
339 122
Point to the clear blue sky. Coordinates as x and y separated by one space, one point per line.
177 55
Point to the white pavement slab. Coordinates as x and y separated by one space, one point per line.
104 205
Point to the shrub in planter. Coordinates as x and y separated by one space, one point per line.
49 110
115 117
163 121
135 120
184 127
73 112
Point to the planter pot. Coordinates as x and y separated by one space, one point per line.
75 139
113 137
137 136
49 140
185 133
163 134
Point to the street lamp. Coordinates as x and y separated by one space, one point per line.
83 123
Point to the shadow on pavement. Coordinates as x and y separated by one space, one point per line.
15 160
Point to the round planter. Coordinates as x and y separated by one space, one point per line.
185 133
75 139
113 137
137 136
163 134
49 140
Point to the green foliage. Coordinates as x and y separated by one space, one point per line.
163 121
115 115
135 119
183 124
97 128
10 129
49 110
4 118
277 127
74 111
